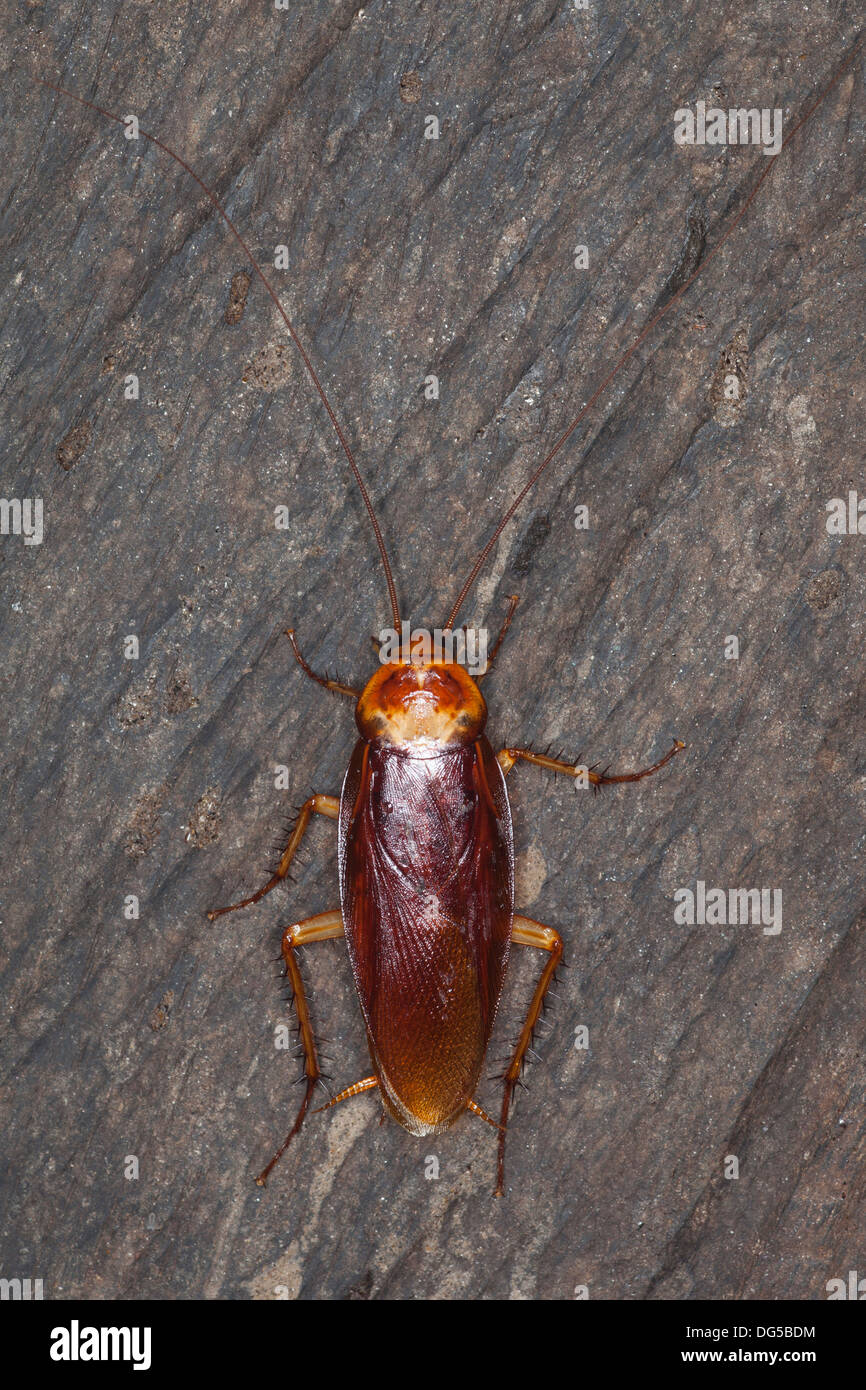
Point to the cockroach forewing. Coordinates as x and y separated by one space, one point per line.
427 888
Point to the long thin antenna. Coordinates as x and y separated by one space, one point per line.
154 140
614 371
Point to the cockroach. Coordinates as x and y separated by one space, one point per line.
426 852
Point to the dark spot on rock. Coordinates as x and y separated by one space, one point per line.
137 702
204 823
270 367
237 297
73 444
410 87
722 959
824 589
531 541
362 1290
145 826
179 694
108 364
160 1016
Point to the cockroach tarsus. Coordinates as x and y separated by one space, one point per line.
426 851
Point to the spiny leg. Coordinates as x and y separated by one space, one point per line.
509 756
327 681
513 601
526 932
324 806
318 928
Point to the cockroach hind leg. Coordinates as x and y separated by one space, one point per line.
262 1179
320 804
323 926
526 932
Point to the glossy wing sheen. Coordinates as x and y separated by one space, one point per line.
427 888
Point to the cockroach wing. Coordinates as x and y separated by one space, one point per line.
427 889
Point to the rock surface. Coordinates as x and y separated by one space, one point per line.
154 777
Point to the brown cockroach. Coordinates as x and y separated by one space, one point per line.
426 857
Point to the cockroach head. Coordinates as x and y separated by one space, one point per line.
411 702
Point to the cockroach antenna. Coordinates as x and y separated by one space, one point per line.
644 333
340 433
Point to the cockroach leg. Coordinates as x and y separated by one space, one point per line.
509 756
513 601
366 1085
526 932
482 1114
318 928
325 806
327 681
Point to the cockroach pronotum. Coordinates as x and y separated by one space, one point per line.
426 860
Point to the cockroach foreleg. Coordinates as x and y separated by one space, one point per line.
526 932
509 756
327 681
324 806
512 605
319 928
